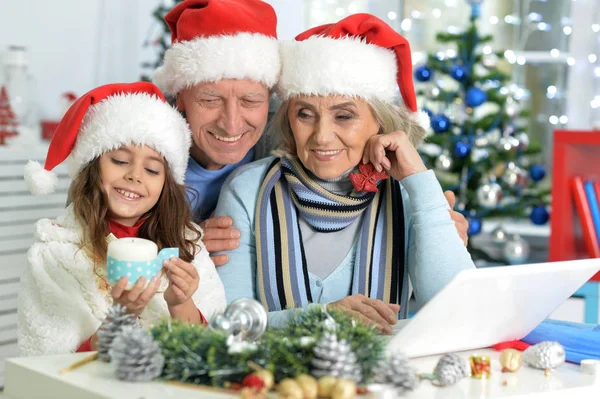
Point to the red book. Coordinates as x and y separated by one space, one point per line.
585 217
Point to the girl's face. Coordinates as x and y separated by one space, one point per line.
132 179
331 132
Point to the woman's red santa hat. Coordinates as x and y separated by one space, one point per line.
219 39
358 56
107 118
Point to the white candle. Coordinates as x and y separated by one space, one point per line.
132 250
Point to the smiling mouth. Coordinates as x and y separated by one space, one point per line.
327 153
128 194
228 139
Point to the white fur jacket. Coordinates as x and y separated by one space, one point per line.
62 301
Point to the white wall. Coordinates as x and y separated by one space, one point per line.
75 45
584 87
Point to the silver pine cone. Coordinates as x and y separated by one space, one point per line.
333 357
116 319
545 355
397 371
136 355
450 369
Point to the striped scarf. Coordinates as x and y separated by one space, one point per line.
288 191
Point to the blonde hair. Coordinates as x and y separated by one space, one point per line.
390 118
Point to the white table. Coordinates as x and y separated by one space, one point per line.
38 377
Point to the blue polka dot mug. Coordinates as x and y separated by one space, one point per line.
134 258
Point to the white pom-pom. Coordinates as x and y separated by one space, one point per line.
39 180
422 119
160 79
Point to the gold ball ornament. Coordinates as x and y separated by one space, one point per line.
267 377
290 389
511 360
309 385
251 393
343 389
325 385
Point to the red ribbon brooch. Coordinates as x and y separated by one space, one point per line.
367 179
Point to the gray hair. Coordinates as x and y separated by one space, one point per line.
390 117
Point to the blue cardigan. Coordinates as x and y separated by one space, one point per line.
434 251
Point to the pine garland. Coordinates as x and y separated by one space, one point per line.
365 341
199 355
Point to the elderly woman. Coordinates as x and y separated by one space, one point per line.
322 222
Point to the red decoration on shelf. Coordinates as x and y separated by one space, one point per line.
367 179
8 120
69 96
585 217
575 154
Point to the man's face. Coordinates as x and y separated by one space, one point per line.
227 119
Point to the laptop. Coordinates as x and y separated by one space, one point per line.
479 308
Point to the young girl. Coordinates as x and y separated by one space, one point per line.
128 152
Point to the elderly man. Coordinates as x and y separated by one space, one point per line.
221 67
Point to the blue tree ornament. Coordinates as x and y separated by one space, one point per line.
459 72
440 123
423 73
475 8
537 172
474 225
428 112
539 215
475 97
462 149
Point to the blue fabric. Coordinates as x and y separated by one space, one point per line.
581 340
204 186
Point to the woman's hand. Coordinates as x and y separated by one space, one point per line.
183 281
393 153
136 299
369 311
460 221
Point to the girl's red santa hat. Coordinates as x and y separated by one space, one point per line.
107 118
219 39
358 56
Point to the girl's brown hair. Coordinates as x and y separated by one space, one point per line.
168 223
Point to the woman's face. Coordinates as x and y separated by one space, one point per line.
331 132
132 180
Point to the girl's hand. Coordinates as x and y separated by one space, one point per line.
369 311
137 298
393 153
183 281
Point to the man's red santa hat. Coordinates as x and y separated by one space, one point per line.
219 39
358 56
107 118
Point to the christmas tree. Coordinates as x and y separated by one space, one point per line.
480 147
8 120
159 38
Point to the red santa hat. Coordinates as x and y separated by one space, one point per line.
358 56
219 39
107 118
